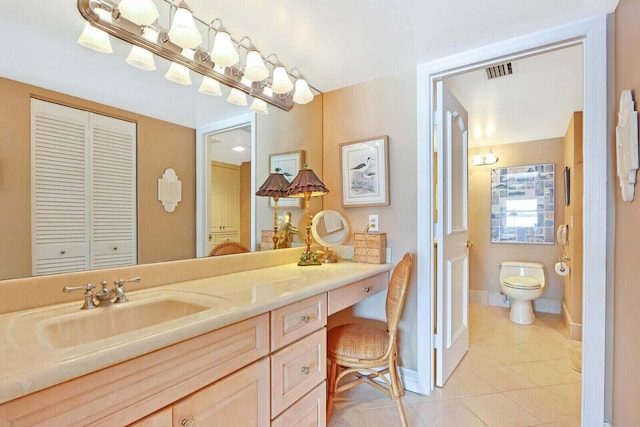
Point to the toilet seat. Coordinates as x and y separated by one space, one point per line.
521 282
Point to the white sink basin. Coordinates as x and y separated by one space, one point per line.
68 326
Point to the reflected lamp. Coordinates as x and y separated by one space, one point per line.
276 186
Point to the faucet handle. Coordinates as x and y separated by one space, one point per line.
88 294
120 291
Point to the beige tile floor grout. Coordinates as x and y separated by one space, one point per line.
513 375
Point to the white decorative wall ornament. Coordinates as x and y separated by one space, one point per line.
169 190
627 145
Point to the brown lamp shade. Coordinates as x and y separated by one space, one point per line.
306 182
275 186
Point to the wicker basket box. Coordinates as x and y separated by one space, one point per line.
370 247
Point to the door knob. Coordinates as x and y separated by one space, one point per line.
468 244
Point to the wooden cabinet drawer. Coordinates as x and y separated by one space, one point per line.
162 418
294 321
349 295
309 411
239 400
297 369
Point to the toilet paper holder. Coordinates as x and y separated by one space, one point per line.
564 258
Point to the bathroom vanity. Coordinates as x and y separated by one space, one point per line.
243 348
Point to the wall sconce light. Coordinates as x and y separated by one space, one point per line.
486 159
228 62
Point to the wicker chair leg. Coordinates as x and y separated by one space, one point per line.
333 372
403 416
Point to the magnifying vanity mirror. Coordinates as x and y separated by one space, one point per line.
330 229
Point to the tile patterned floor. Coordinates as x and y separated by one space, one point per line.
512 376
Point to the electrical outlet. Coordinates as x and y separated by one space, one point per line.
373 221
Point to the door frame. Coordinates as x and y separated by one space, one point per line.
591 34
203 177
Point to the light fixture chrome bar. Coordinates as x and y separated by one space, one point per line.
131 33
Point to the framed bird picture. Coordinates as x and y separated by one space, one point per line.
289 164
365 172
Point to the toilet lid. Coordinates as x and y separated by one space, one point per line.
521 282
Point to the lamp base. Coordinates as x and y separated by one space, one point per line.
309 258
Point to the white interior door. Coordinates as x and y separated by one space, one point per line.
452 332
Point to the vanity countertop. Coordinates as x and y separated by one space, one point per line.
29 361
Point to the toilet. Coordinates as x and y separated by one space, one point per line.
522 282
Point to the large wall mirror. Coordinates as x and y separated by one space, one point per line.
169 118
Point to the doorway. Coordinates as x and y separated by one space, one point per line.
591 36
216 161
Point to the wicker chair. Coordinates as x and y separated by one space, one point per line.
228 248
368 352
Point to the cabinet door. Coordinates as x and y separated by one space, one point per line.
239 400
310 411
225 197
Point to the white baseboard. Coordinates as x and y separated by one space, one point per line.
543 305
574 330
409 379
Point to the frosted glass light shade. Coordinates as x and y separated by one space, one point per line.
477 160
255 70
237 97
303 94
140 57
94 38
178 73
267 91
183 30
210 87
281 82
140 12
224 53
490 158
259 106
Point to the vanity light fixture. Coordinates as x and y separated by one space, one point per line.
210 87
307 184
95 38
178 73
276 186
228 62
488 159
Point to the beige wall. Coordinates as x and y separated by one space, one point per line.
626 353
281 132
485 257
385 106
573 216
161 236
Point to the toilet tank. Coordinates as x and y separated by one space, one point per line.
522 268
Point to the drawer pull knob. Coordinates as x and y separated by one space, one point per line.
62 252
187 422
366 289
306 319
305 370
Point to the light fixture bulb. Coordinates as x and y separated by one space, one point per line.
477 160
224 53
140 12
239 148
237 97
178 73
183 30
255 70
245 81
490 158
267 91
259 106
281 82
302 94
210 87
141 58
94 38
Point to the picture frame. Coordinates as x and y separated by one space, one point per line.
365 172
290 163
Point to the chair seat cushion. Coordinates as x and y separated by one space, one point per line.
357 341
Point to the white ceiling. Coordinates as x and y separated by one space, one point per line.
334 44
533 103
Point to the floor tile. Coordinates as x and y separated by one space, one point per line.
497 410
447 413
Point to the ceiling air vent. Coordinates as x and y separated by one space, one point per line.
499 70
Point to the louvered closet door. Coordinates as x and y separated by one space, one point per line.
113 203
59 190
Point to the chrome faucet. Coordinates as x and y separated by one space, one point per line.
105 296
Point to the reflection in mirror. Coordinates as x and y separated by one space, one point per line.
330 229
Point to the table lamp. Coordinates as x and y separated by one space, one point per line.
306 184
275 186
